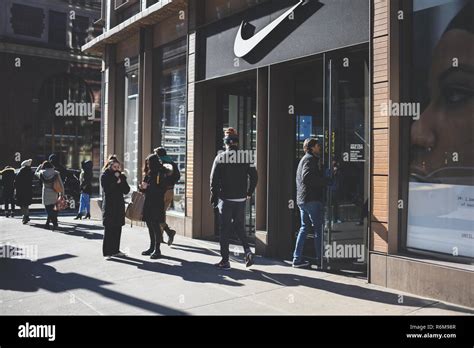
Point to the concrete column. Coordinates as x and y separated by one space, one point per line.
147 91
261 232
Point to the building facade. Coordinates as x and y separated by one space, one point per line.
49 88
176 73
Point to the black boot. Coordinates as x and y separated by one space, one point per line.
152 245
88 216
171 233
78 217
157 253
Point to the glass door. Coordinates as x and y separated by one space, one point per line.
347 154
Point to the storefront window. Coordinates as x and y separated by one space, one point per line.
170 114
441 170
130 158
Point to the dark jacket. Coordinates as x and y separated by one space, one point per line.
24 186
85 179
113 204
172 178
231 180
310 180
154 206
8 181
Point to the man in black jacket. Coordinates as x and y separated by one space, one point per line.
233 181
310 184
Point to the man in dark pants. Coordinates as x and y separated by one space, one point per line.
233 181
310 184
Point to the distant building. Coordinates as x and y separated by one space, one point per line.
49 88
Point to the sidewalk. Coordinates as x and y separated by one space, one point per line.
71 277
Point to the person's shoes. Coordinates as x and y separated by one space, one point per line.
120 254
300 264
156 255
248 259
171 235
148 252
12 214
24 221
225 265
108 258
7 214
27 219
47 226
78 217
88 216
55 227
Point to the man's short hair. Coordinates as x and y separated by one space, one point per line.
310 143
160 151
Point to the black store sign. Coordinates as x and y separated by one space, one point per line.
278 31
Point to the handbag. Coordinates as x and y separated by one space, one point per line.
134 210
61 203
57 187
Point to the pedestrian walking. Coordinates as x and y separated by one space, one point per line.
8 183
232 184
52 188
85 181
154 187
310 184
24 189
171 179
114 185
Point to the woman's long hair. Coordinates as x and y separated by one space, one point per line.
109 163
152 165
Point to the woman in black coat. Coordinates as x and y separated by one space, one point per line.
154 187
8 182
24 189
114 185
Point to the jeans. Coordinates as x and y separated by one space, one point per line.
85 203
231 215
311 221
52 214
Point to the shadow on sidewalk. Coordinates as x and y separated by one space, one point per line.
27 276
74 229
200 272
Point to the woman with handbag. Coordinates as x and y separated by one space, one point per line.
154 188
53 189
114 186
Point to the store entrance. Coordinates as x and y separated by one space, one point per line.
331 104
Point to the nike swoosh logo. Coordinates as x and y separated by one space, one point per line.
243 47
